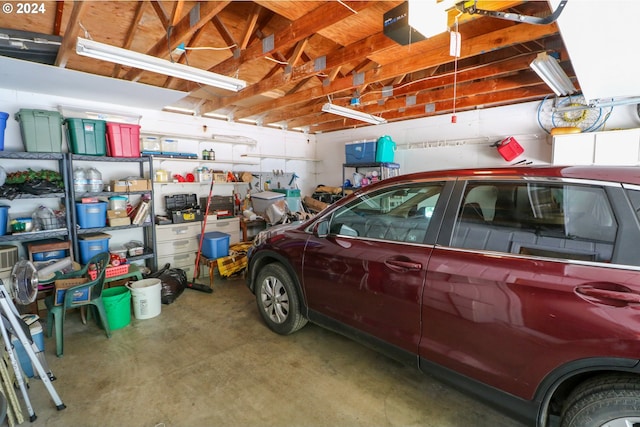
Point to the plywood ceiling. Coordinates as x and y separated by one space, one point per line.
285 87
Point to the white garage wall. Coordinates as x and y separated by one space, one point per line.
435 143
270 141
423 144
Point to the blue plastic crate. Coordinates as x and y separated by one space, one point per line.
360 152
215 245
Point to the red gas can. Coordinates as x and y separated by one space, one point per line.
509 148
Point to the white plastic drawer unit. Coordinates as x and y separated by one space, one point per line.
184 261
230 226
172 232
177 245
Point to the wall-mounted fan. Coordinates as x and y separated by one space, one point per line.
571 113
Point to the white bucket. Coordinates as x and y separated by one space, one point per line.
146 297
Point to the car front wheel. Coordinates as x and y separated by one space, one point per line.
278 300
607 401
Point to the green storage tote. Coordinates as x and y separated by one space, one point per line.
41 130
86 136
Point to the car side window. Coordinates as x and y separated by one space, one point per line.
634 197
399 213
538 219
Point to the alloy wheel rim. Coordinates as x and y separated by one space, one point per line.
275 300
623 422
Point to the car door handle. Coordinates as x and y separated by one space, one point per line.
606 295
402 266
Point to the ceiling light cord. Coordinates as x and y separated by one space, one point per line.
86 33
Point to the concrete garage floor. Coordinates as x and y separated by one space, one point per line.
208 360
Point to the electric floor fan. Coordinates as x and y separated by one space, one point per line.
24 282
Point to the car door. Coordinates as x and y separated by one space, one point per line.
532 276
368 273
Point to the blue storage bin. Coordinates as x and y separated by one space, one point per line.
92 215
21 353
215 244
91 245
360 152
46 256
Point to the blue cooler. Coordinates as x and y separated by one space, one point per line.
21 353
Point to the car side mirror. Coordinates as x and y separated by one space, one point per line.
321 228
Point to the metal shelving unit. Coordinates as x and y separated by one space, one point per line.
148 228
61 160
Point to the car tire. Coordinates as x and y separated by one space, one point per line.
278 301
606 401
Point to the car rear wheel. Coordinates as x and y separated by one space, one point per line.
278 300
608 401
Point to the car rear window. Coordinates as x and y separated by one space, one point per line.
537 218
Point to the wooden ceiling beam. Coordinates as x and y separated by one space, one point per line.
225 33
70 34
182 31
130 33
319 18
176 13
161 13
251 26
474 46
334 61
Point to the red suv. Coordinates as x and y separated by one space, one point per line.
518 285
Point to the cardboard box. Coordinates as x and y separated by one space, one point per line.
118 218
129 184
61 287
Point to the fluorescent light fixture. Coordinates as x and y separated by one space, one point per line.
549 70
179 109
428 17
141 61
352 114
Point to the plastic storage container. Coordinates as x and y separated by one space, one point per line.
123 140
360 152
118 203
261 201
86 136
4 219
92 244
41 130
3 125
292 198
38 339
385 149
92 215
151 144
94 180
169 146
215 244
80 182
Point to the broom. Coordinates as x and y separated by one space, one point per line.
196 271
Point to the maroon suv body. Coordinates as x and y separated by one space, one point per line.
519 285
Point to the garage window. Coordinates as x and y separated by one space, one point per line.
538 219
